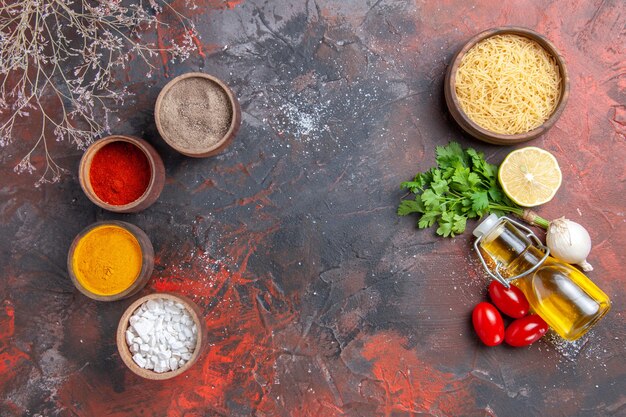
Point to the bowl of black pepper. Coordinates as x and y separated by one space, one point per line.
197 114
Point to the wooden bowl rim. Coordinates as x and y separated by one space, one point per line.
548 46
234 104
147 260
85 180
124 350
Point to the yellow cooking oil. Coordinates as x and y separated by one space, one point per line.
562 295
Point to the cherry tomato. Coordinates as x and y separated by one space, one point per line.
488 324
511 301
524 331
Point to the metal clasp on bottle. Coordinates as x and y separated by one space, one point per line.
495 274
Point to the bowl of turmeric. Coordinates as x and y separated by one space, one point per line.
110 260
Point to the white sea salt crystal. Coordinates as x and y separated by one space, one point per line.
187 332
139 360
172 309
152 305
160 367
148 315
162 335
143 327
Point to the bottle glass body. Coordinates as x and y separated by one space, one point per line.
562 295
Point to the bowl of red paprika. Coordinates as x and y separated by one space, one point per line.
123 174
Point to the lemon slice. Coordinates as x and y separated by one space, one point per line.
530 176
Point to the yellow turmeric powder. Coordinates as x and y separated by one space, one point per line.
107 260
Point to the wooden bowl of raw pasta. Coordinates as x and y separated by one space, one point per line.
514 104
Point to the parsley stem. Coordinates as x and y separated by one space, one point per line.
527 215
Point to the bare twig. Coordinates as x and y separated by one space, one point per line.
58 64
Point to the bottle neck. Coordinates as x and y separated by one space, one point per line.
510 247
531 257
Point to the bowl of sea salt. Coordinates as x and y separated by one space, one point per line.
161 335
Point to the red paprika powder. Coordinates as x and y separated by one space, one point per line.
119 173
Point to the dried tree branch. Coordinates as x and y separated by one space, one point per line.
58 66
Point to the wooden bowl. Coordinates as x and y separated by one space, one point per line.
235 120
157 174
147 264
488 136
127 356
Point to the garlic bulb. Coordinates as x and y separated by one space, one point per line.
569 242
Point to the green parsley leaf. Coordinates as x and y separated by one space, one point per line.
440 186
449 155
412 186
495 194
480 201
445 228
407 207
428 219
458 224
431 200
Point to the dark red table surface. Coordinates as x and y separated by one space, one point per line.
319 300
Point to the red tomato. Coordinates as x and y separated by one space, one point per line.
488 324
524 331
511 301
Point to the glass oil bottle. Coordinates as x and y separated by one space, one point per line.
562 295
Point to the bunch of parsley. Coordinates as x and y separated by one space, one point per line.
462 186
